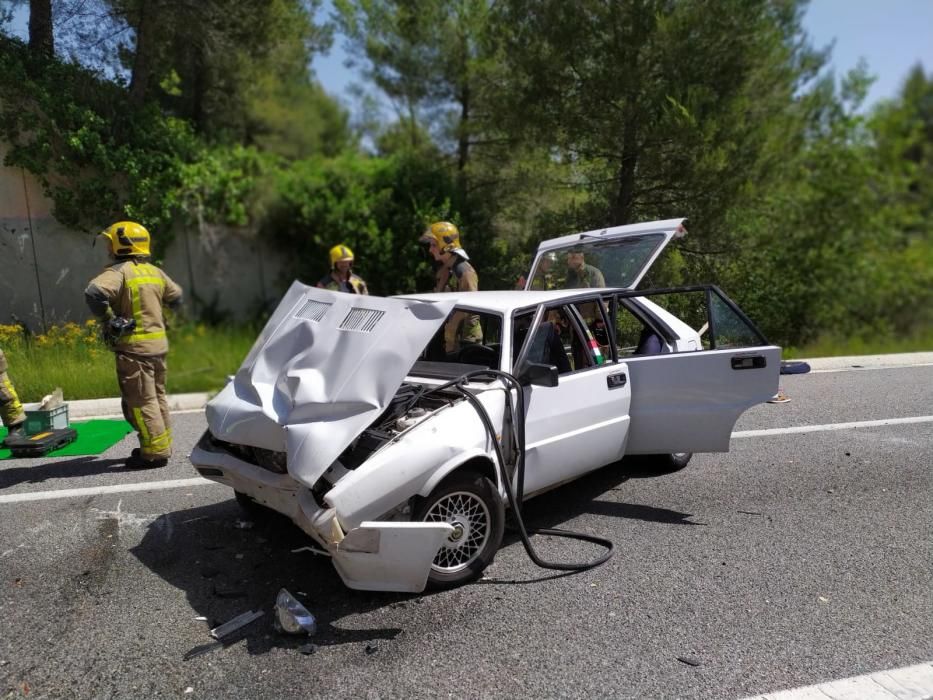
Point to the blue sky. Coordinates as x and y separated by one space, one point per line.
891 35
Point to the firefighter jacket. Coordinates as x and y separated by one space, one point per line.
462 327
134 289
355 285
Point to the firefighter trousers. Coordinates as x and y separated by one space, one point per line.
145 406
11 410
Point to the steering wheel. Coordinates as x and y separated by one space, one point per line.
476 354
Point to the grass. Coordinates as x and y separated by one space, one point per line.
72 357
833 346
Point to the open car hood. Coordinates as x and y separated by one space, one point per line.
324 368
622 254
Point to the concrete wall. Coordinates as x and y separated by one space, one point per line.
44 267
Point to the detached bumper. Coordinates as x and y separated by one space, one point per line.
376 556
389 556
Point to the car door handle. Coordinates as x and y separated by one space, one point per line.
749 362
614 381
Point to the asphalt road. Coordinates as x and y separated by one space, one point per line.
793 559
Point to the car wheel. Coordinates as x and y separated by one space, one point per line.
472 505
675 461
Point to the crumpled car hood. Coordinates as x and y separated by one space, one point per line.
322 370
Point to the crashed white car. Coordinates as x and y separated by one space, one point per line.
393 451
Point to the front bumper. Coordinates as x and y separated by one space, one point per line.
376 556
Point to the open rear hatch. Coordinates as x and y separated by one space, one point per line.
621 254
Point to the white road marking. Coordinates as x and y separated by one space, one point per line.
865 369
179 483
831 426
908 683
100 490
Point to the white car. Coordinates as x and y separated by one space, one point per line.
393 452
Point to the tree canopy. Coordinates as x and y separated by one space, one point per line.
516 119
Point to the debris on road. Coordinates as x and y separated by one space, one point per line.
202 649
313 550
236 623
307 649
243 525
689 660
291 617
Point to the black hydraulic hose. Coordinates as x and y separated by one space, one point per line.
515 499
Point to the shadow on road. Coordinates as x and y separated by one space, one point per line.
228 562
62 469
582 497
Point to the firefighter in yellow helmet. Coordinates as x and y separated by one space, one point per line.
11 410
341 277
127 299
454 274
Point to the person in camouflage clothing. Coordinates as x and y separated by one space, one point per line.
11 410
579 274
127 299
454 274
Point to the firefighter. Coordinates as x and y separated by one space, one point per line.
11 410
341 277
127 298
454 274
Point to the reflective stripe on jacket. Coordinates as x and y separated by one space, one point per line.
137 290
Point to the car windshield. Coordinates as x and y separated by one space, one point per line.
468 340
592 263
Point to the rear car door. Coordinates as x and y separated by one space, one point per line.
581 424
689 401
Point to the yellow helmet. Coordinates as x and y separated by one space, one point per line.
127 238
444 234
340 252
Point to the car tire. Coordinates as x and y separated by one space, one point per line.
471 503
667 463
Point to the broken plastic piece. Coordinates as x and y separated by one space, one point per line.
236 623
291 616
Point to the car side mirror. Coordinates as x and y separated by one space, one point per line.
538 374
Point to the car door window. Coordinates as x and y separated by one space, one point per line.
719 323
635 335
556 340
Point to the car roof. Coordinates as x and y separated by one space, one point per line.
504 301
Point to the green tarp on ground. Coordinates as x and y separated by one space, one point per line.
94 436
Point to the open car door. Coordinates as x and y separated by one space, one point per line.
611 257
689 401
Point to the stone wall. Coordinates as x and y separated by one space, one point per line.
44 266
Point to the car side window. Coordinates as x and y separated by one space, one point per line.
550 344
634 336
